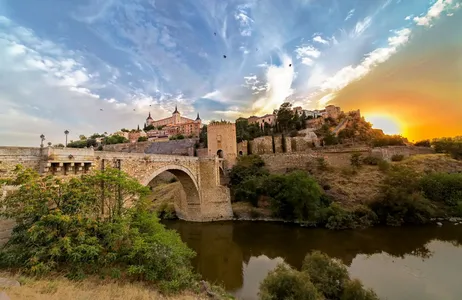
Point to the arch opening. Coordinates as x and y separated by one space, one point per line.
176 185
240 153
220 153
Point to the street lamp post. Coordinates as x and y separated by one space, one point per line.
42 138
66 132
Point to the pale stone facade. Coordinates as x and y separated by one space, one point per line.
176 124
221 141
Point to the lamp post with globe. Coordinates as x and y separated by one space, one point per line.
66 132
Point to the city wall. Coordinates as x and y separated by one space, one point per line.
176 147
334 156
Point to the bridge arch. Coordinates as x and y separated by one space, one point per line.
190 208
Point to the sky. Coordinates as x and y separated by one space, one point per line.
100 65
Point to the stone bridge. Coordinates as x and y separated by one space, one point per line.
206 199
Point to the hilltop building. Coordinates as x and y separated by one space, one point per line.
176 124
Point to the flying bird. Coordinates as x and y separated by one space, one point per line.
215 33
224 56
101 109
290 65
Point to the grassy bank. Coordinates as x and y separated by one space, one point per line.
57 288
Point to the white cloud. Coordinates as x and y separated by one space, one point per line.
361 26
350 14
408 18
435 11
350 73
279 86
244 20
307 51
319 39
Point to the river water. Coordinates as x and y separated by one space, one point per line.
398 263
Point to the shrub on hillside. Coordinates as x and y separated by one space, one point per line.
338 218
384 165
423 143
401 200
355 160
322 164
286 283
248 190
246 167
451 146
81 227
443 188
372 160
397 157
293 196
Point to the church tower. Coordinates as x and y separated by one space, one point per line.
176 116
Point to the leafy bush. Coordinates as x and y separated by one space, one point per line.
349 171
451 146
355 160
286 283
354 290
389 140
338 218
372 160
328 276
443 188
321 278
115 139
246 167
384 165
397 157
293 196
166 211
401 201
423 143
81 227
248 190
322 164
142 139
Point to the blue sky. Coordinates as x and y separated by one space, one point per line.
62 61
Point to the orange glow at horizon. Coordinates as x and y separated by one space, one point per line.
389 124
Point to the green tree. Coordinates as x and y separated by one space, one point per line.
203 135
328 276
285 116
354 290
451 146
142 139
288 284
293 196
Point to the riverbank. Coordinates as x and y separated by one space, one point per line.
57 288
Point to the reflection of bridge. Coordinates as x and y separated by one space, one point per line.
206 199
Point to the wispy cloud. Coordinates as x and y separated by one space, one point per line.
320 40
350 14
435 11
307 54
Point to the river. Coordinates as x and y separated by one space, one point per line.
398 263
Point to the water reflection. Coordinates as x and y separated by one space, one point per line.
240 254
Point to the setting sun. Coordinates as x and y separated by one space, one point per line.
389 124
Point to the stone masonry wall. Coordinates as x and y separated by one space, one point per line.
177 147
12 156
388 152
262 145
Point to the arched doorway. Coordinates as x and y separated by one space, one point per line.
187 200
220 153
240 153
